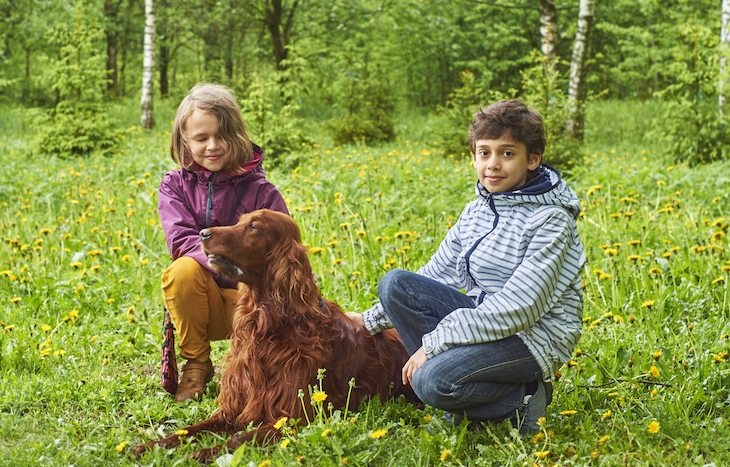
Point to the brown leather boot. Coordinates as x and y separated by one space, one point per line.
195 376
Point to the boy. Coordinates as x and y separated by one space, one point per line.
491 353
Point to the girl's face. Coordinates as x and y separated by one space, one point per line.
502 164
210 150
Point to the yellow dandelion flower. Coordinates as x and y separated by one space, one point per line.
445 454
656 354
327 432
45 328
280 423
568 413
181 432
654 372
719 280
265 463
542 454
604 439
634 242
285 443
653 427
604 276
610 251
316 250
661 183
718 358
94 252
76 264
15 299
606 415
319 396
120 447
377 434
427 417
647 304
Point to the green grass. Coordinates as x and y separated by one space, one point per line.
81 253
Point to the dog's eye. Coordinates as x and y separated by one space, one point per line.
252 226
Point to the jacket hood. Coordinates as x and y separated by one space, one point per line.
547 187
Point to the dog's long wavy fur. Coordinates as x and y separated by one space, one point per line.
283 333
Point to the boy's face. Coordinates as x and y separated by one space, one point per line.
502 164
210 150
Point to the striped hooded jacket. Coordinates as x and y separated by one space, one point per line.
518 256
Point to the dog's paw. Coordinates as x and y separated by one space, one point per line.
204 456
138 450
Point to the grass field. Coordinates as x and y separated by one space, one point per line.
82 251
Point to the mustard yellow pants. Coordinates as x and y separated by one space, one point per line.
200 310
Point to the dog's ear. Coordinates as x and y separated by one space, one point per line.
289 274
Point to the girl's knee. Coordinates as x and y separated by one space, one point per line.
184 270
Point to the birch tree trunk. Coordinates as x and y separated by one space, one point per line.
549 29
724 82
577 89
148 66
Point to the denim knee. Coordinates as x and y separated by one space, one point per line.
430 386
390 283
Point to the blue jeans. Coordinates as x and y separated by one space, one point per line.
482 381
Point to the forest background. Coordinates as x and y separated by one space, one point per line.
363 108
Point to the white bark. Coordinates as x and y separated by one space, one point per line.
148 66
724 81
577 89
549 28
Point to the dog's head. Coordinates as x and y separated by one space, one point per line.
263 247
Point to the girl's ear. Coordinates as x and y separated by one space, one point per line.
535 161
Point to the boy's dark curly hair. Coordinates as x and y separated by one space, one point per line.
513 118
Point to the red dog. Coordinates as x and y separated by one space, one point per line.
283 333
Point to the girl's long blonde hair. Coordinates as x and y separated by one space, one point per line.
218 101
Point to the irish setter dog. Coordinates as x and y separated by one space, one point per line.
283 333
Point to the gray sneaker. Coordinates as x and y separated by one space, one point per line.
534 408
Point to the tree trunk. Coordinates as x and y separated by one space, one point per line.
164 65
111 9
549 28
279 28
724 49
577 89
148 65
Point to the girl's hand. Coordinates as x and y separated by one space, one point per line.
355 318
413 363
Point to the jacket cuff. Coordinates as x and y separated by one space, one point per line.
376 320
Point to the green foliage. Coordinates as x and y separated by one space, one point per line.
373 123
458 113
271 108
690 126
80 123
544 89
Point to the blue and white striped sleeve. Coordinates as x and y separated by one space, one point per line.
443 265
546 272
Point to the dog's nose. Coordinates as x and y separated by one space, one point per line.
205 234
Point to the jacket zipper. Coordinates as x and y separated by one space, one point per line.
209 204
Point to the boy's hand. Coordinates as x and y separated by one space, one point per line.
355 318
413 363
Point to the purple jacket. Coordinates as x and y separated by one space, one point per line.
189 201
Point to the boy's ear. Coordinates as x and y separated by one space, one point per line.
535 161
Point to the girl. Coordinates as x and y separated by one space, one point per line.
491 353
221 177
